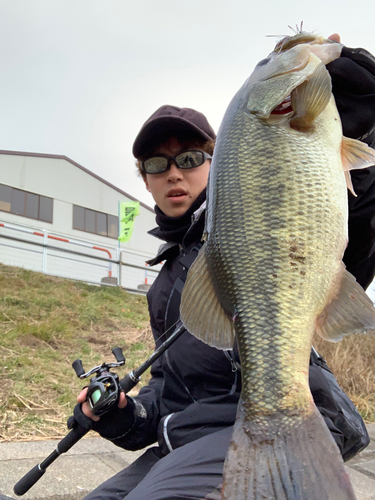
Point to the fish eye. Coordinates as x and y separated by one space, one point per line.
263 62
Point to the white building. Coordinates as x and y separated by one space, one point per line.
58 217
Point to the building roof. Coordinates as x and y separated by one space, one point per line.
62 157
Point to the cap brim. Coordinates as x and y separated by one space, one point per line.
160 127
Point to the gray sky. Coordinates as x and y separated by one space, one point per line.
79 77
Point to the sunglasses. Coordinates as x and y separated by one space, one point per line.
184 160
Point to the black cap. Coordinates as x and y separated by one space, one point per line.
168 119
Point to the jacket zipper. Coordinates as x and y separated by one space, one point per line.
230 357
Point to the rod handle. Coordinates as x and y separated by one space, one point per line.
129 381
28 480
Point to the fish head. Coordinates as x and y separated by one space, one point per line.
297 62
288 89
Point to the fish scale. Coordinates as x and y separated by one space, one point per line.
271 270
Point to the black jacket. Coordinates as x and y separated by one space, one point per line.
194 388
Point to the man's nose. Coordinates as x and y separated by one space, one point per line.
174 173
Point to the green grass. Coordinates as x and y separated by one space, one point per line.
352 362
45 324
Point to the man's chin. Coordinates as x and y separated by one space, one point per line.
175 207
176 210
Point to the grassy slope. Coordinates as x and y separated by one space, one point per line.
353 363
45 324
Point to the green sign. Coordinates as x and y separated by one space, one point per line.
128 212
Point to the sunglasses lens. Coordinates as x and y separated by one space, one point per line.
190 159
155 165
187 159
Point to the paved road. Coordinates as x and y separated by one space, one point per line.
91 461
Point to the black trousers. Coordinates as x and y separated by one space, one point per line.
193 471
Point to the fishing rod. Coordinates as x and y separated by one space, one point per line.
102 394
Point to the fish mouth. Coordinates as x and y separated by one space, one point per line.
284 108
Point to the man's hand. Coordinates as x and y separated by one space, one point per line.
86 408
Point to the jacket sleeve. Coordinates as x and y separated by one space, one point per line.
135 426
353 85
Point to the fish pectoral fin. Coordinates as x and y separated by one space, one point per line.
201 311
310 99
351 311
355 155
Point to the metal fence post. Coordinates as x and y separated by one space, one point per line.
44 265
120 269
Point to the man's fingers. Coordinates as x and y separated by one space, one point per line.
82 395
335 37
85 407
122 402
86 410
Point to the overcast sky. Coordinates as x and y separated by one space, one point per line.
79 77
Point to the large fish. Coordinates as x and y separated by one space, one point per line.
270 272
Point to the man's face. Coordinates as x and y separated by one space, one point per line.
175 190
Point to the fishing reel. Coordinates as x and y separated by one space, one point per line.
104 389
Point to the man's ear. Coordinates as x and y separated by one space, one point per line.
147 185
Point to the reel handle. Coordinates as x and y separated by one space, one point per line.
78 367
118 354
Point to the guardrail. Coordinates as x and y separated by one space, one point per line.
57 254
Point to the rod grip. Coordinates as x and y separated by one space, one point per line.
28 480
129 381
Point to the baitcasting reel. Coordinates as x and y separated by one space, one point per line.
104 389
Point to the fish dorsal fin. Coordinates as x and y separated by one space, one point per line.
310 99
351 311
355 155
201 311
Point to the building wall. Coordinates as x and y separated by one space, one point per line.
70 184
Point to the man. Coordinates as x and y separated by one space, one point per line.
190 404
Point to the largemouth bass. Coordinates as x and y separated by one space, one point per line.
270 272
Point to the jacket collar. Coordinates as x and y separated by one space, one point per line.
172 248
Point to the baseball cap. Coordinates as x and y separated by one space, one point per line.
168 119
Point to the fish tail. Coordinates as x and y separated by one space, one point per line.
303 463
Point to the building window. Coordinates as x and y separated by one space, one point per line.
94 222
19 202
